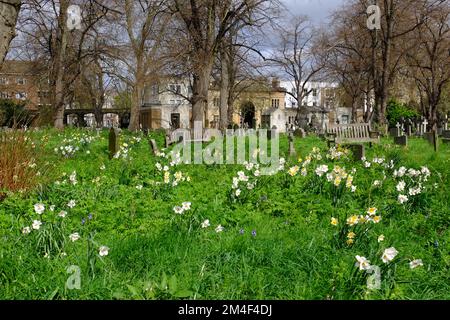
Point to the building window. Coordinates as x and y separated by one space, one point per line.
172 101
4 95
21 95
314 92
275 103
305 92
216 102
175 88
21 81
314 104
344 119
4 81
175 120
155 90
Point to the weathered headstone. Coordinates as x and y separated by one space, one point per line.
409 125
393 132
292 151
154 147
113 142
446 136
399 131
358 150
431 137
401 140
299 133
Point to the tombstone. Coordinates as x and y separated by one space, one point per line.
153 147
424 126
299 133
399 131
409 126
292 151
401 141
446 136
113 142
393 132
431 137
358 150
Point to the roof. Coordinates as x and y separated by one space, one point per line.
19 67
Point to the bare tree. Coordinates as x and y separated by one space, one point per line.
298 58
206 24
429 62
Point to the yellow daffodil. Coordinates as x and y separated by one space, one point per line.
351 235
353 220
334 221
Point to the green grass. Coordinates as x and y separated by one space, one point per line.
157 254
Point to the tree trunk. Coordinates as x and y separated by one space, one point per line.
200 92
9 11
58 91
136 100
224 90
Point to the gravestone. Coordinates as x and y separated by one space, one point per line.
299 133
446 136
113 142
292 151
358 151
401 141
153 147
393 132
409 126
431 137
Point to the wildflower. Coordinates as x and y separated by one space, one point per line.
376 183
178 210
350 241
62 214
36 224
416 263
372 211
103 251
254 233
242 176
219 228
90 216
381 238
26 230
402 198
293 171
257 173
337 181
166 177
52 208
166 168
238 192
349 181
362 263
250 186
321 170
39 208
242 231
303 172
158 166
376 219
353 188
367 164
186 206
351 235
282 161
205 224
188 179
74 237
334 221
353 220
389 254
401 186
71 204
178 175
83 221
73 178
139 187
102 167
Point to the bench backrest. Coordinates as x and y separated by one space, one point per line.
350 131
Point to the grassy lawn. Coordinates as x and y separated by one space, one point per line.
277 242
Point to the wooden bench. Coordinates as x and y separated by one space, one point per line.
351 133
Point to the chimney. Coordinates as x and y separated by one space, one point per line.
275 83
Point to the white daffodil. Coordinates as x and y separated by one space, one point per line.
381 238
52 208
178 210
362 263
26 230
62 214
186 206
39 208
71 204
389 254
401 186
36 224
353 188
402 198
205 224
416 263
219 228
102 167
139 187
74 237
103 251
238 192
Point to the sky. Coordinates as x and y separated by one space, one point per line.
317 10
